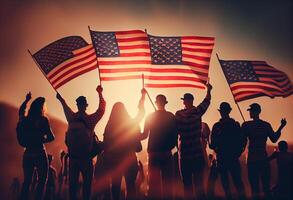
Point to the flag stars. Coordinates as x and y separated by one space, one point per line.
239 71
166 50
106 44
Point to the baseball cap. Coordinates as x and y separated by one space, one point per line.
187 96
224 106
254 107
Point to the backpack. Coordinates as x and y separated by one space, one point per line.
79 139
22 131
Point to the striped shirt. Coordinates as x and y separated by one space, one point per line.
257 132
189 128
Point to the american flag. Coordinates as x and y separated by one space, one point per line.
121 55
251 79
66 59
164 61
179 61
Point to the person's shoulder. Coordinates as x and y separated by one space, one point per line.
216 125
180 112
265 123
235 122
247 123
170 114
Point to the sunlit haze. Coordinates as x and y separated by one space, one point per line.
263 32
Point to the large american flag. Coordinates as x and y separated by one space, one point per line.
164 61
121 55
66 59
251 79
179 61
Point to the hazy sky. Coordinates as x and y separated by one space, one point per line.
252 30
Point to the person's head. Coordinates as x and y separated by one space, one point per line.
118 113
118 122
161 101
37 108
283 146
225 109
188 100
254 110
81 103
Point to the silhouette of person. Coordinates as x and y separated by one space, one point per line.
213 175
191 154
205 138
205 135
121 142
51 182
160 128
77 164
37 131
283 189
15 188
257 132
227 141
140 181
63 175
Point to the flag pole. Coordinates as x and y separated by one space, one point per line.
40 69
142 77
100 82
231 90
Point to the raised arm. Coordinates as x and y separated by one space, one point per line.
21 112
141 111
203 106
67 110
274 136
102 106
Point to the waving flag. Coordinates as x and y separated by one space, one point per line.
250 79
66 59
179 61
164 61
121 55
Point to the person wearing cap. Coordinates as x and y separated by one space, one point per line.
227 141
257 132
160 128
82 165
191 154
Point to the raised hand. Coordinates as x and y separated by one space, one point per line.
143 91
28 96
283 122
209 86
99 89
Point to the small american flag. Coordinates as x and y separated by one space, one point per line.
164 61
179 61
251 79
66 59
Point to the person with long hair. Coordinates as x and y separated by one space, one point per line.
121 142
36 131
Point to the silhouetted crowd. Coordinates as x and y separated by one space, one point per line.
177 153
